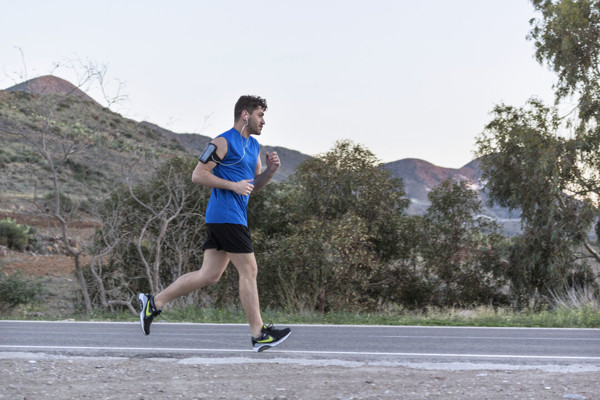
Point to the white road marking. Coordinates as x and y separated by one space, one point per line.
333 353
489 337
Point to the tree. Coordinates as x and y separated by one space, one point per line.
111 286
350 179
325 234
567 38
461 249
548 165
528 166
151 234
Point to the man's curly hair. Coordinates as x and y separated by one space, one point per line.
248 103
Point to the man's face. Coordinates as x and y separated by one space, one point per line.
256 121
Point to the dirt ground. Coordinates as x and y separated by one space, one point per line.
38 265
42 377
29 376
54 270
60 288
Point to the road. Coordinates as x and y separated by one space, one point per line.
387 344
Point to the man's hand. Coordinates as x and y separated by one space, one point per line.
263 177
244 187
273 162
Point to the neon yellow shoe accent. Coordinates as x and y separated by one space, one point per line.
148 312
269 339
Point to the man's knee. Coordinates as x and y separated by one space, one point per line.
209 276
246 265
213 266
249 271
212 279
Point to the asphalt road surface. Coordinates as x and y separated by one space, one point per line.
386 344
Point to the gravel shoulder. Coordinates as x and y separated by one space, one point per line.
42 376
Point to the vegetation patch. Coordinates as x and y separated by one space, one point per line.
17 289
14 235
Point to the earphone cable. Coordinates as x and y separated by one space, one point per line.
244 148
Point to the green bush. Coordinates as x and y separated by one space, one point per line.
16 289
67 205
13 235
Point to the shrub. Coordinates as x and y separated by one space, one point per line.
16 289
14 236
67 205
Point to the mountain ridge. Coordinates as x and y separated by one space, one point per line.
419 176
50 84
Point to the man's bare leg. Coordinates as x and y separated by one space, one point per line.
245 263
213 266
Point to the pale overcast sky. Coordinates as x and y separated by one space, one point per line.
406 79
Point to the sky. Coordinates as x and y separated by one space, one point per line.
405 79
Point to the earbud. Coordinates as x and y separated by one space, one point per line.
246 117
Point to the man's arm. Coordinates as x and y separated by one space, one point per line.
262 178
203 175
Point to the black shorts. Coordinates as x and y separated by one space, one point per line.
232 238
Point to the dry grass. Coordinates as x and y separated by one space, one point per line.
574 298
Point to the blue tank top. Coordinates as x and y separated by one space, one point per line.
226 206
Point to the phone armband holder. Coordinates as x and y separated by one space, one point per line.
209 154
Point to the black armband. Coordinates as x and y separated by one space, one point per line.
209 154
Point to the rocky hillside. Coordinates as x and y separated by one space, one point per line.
104 145
420 177
50 85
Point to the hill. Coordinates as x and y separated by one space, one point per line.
105 143
101 144
420 177
49 84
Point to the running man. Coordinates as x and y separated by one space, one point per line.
231 166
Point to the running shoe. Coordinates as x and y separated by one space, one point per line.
147 311
270 337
